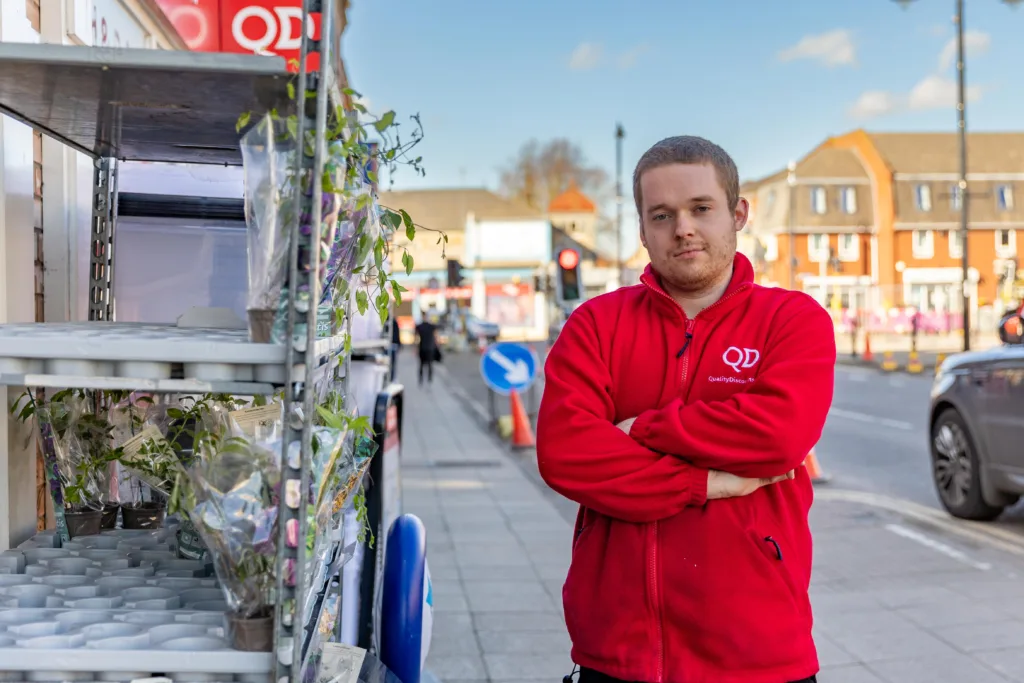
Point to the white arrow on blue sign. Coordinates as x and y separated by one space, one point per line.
508 367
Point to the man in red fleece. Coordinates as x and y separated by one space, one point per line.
678 413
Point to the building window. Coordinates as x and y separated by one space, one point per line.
1006 243
769 203
819 200
848 199
923 194
849 247
1004 198
956 244
771 248
923 244
817 247
956 197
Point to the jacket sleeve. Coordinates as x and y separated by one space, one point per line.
769 428
585 457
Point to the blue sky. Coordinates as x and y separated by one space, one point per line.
487 76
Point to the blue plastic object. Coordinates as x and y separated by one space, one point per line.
508 367
403 599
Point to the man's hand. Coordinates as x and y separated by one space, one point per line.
626 425
725 485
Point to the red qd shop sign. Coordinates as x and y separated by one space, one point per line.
244 26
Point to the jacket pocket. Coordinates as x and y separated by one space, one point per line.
781 565
787 554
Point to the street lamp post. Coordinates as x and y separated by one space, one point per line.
961 120
791 182
620 133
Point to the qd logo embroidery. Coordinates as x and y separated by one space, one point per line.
740 359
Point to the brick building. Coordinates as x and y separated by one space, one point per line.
873 220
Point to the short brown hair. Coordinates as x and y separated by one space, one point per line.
689 149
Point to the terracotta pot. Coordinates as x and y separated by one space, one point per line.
252 634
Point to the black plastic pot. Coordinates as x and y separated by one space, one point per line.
109 520
83 522
252 634
148 515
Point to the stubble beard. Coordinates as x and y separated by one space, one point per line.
697 278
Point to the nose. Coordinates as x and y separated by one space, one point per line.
685 226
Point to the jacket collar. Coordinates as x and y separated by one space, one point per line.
741 282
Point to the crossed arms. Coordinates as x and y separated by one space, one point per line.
662 465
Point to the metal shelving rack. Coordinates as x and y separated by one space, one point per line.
164 106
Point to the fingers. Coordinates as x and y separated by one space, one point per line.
774 480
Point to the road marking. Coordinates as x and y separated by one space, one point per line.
938 546
870 419
978 532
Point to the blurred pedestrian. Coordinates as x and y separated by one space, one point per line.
396 345
678 413
426 338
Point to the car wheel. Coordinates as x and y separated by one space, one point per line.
957 471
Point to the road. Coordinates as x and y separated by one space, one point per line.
875 439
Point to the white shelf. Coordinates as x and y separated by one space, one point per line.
146 357
140 104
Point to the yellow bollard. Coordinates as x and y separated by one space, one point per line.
914 364
889 363
939 359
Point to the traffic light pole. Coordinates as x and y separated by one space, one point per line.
620 133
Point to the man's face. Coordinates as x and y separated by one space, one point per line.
687 226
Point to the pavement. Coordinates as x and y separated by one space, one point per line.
900 593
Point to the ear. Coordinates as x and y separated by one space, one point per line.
741 214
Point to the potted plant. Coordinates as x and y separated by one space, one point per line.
233 501
79 454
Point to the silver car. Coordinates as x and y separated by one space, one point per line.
977 427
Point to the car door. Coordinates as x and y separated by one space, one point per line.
1004 405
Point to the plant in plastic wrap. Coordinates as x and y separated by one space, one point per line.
83 445
235 483
272 180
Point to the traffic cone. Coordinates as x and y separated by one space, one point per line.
814 469
522 432
889 363
868 356
914 364
481 343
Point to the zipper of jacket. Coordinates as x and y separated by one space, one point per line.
656 596
653 558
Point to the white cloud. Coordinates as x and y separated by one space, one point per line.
931 92
629 58
936 92
585 56
874 103
833 48
975 43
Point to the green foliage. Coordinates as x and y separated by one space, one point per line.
353 130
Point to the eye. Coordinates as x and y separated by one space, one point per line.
660 216
702 209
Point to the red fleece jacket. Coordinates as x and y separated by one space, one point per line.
666 586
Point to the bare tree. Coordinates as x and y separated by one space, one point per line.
539 173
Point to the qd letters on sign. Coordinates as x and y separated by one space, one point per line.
741 359
284 37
